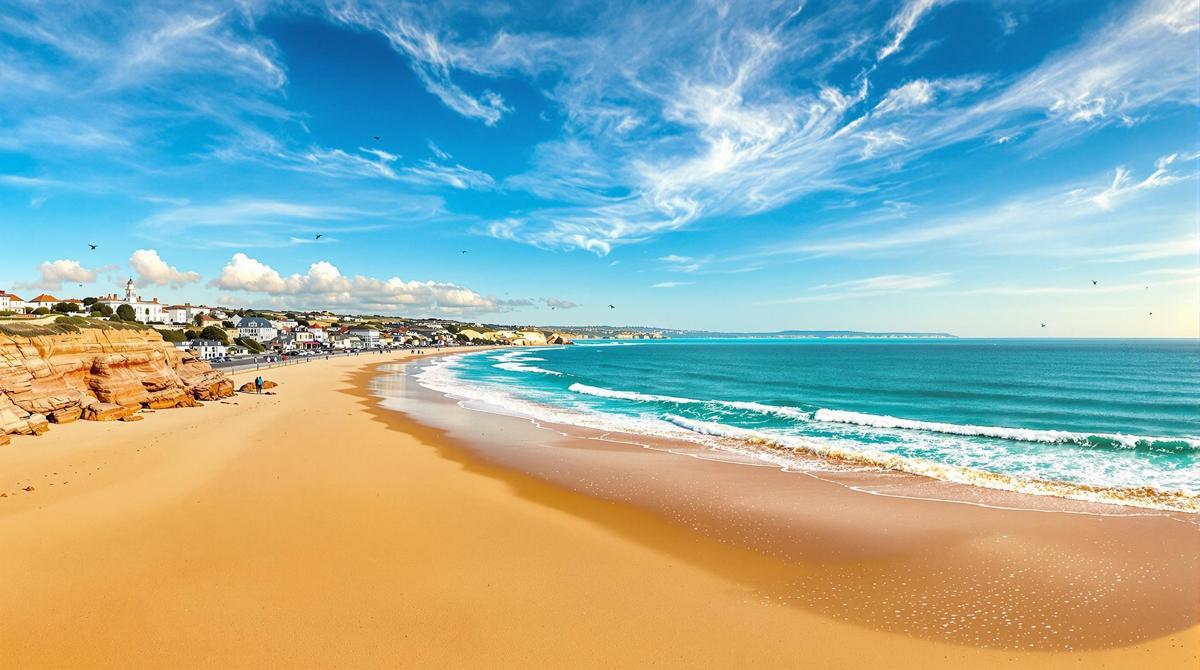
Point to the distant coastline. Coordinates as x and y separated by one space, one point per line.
610 332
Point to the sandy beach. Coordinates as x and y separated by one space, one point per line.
312 528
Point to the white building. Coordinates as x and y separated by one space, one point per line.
304 338
256 328
347 342
368 336
185 313
146 311
205 349
11 303
44 300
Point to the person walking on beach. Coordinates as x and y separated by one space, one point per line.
258 384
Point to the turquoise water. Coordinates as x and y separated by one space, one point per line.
1108 420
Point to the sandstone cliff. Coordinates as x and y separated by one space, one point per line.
96 374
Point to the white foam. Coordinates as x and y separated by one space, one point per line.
1141 496
788 412
1021 434
627 395
778 410
517 366
781 450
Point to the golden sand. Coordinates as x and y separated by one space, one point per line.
304 529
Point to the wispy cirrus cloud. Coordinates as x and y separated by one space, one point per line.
433 60
741 144
264 222
904 22
854 289
891 283
1074 221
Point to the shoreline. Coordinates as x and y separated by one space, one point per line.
933 519
315 528
973 483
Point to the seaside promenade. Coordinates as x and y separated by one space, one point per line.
310 528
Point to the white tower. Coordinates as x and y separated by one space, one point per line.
130 291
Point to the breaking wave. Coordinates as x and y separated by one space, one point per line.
1142 496
1162 444
820 452
787 412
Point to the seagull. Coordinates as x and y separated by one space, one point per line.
1043 325
612 307
464 251
319 236
376 138
92 246
1094 282
1151 313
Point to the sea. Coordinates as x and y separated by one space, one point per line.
1109 421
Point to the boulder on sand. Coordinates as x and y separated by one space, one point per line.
106 411
249 387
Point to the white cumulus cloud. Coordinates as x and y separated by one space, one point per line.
55 273
323 285
153 270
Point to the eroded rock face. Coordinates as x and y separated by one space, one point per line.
97 375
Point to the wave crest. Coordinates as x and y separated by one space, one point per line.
1142 496
1163 444
787 412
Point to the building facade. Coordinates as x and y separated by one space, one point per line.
11 303
256 328
185 313
146 311
206 350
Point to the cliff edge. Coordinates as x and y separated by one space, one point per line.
96 374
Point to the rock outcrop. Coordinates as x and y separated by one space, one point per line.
249 387
558 338
97 375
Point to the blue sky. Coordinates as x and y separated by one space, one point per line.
962 166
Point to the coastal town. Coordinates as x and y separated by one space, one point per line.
226 334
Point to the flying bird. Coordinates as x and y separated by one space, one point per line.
612 307
1043 325
464 251
319 236
1094 282
376 138
92 246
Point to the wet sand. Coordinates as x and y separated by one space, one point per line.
314 529
885 550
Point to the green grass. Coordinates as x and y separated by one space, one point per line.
65 324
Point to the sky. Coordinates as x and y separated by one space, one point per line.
978 167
